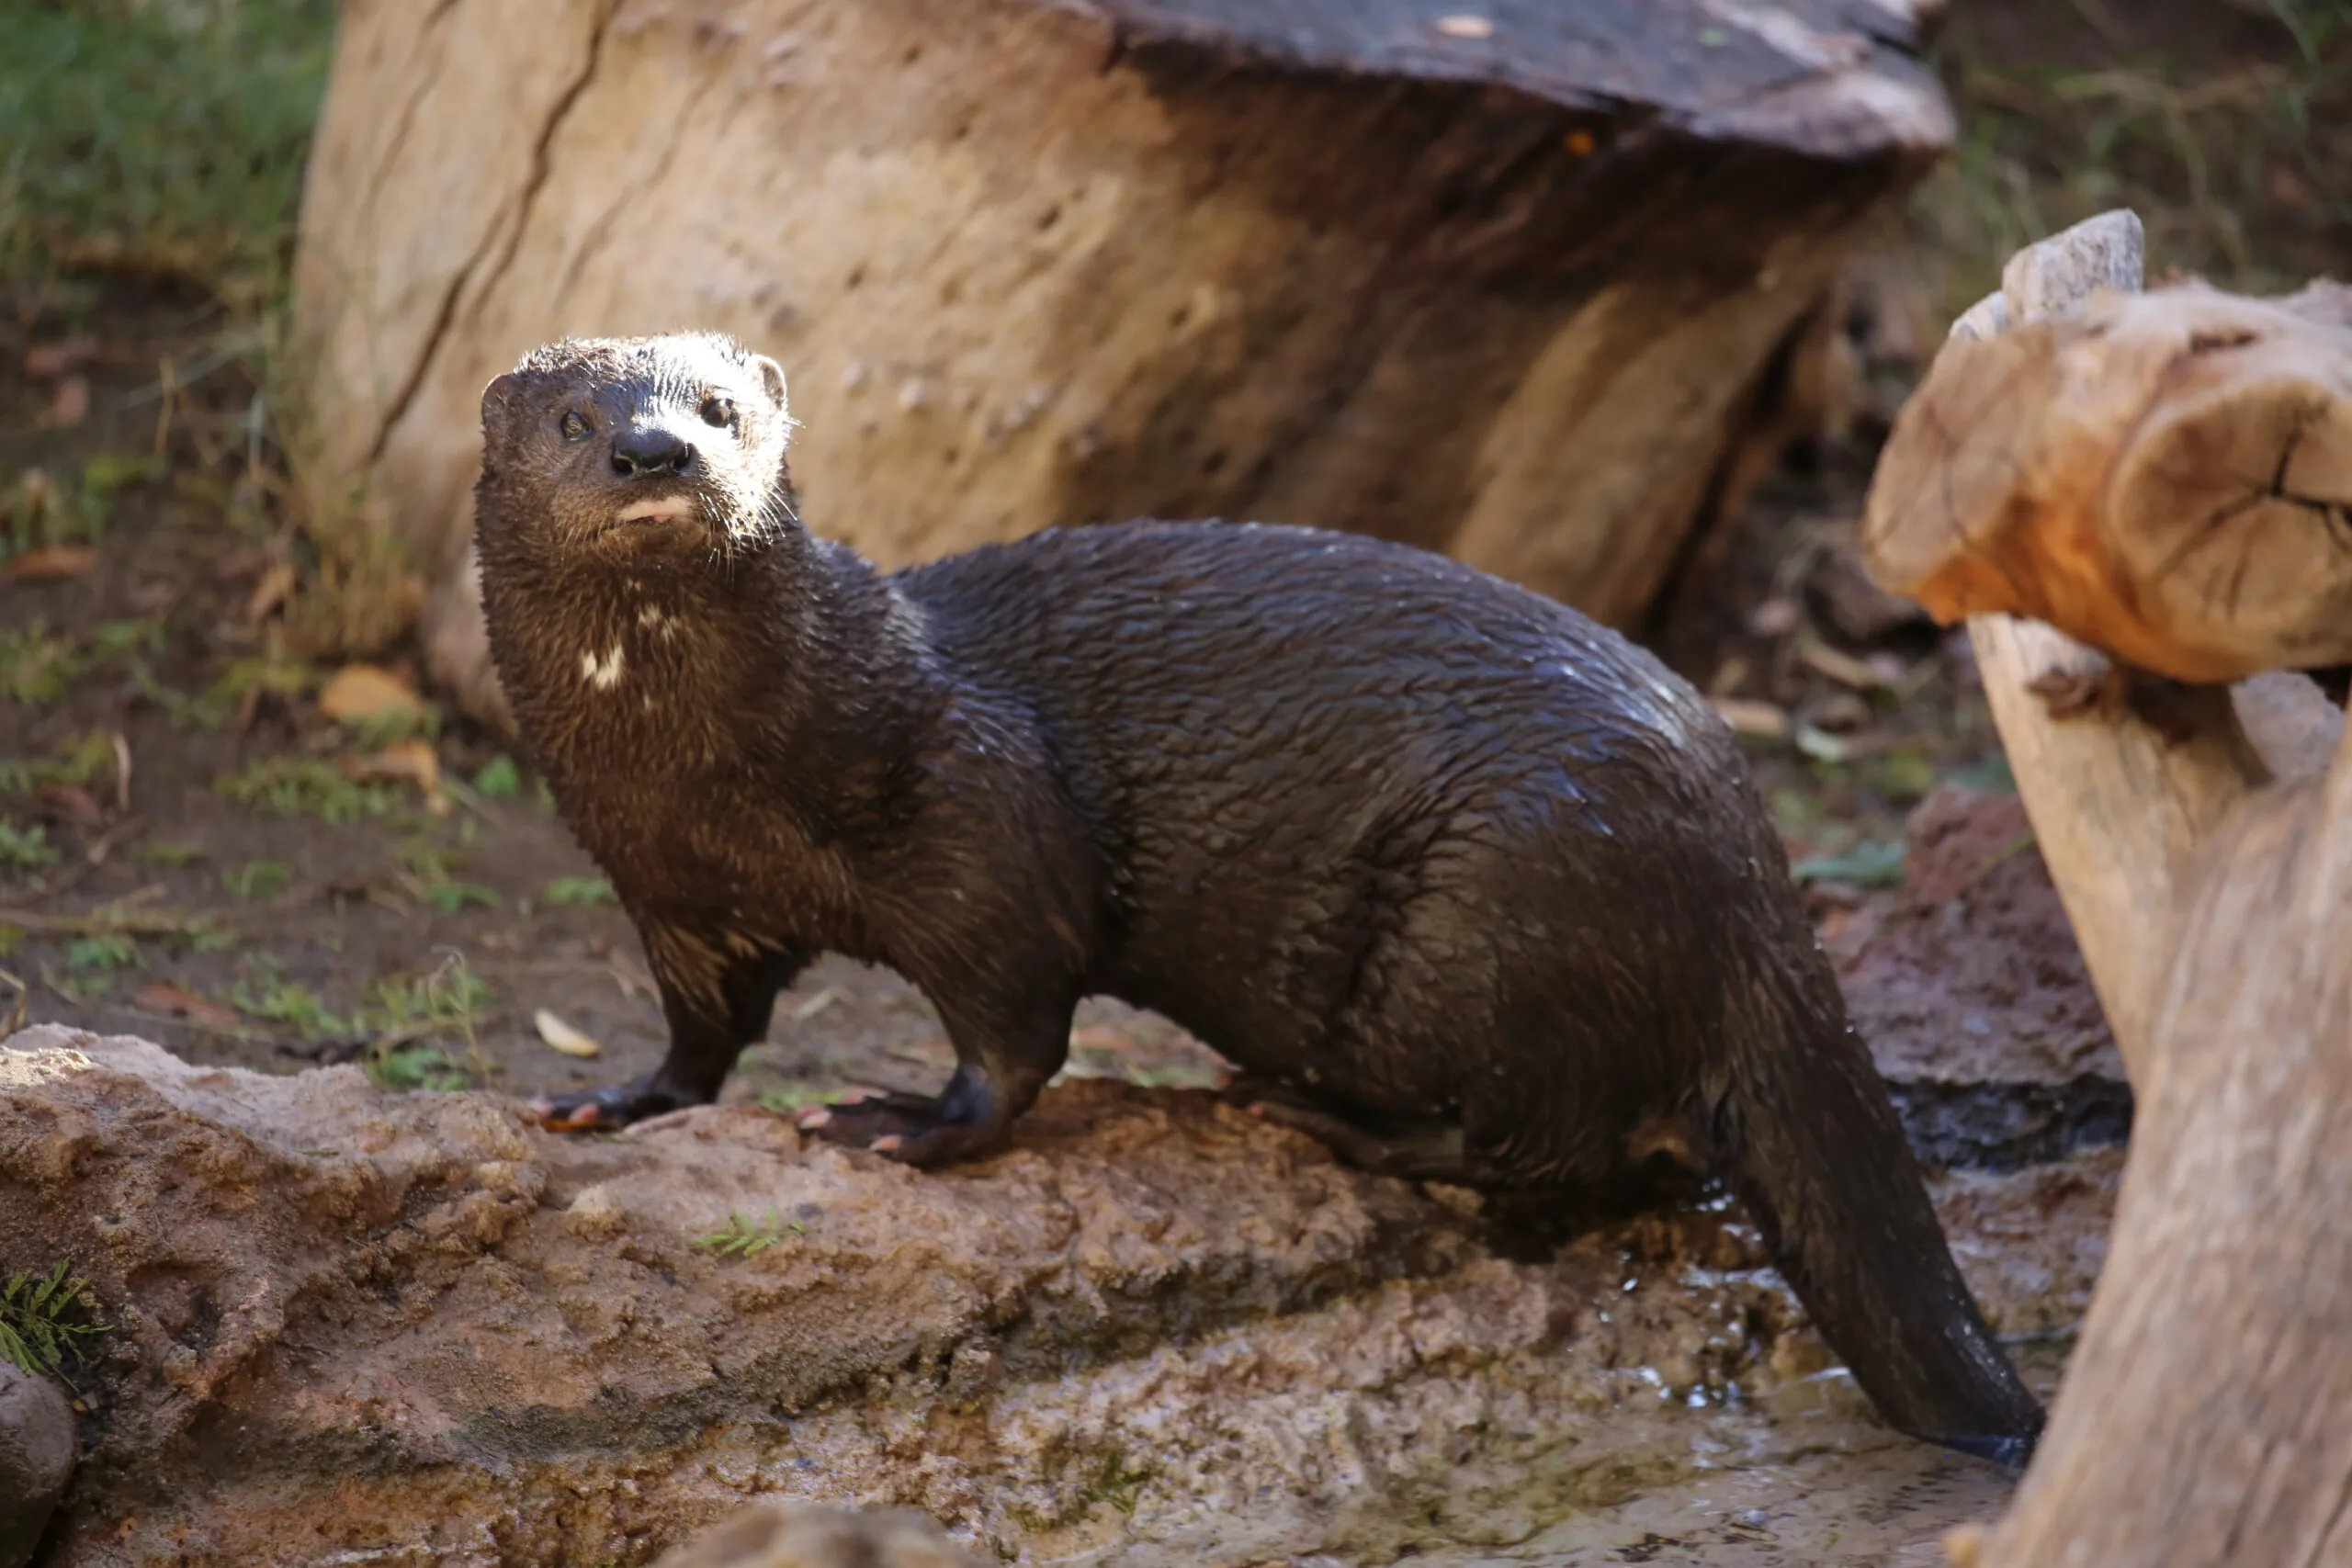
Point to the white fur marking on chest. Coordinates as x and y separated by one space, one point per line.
602 674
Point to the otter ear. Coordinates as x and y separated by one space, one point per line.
772 377
498 399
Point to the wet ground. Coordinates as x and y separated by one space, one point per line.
192 850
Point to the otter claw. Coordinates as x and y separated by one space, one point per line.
814 1117
889 1142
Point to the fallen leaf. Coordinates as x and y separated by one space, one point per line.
47 361
52 563
71 405
370 694
276 586
1465 27
411 761
1097 1038
562 1036
174 1002
1749 718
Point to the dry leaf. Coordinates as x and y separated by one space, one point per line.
370 694
54 563
174 1002
70 406
562 1036
276 586
816 1004
411 761
1099 1038
1753 717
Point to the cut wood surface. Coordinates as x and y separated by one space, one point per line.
2206 1418
1515 280
2167 476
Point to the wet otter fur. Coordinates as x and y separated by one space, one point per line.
1470 886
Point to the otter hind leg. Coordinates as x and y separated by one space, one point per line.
1007 1046
1418 1151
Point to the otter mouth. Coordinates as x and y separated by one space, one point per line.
662 509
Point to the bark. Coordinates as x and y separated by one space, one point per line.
1518 281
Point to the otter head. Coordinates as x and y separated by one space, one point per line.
634 443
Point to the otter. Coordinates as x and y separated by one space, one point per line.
1464 884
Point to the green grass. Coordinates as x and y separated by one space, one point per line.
566 890
743 1237
164 136
25 849
304 786
258 879
46 1320
2238 160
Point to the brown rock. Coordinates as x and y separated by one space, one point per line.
37 1453
1971 973
1154 1330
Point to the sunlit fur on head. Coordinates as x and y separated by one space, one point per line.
738 487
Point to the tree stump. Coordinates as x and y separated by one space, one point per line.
1511 278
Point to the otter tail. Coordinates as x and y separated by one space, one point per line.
1807 1136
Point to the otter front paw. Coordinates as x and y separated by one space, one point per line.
602 1110
913 1129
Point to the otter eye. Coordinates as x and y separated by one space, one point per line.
575 427
718 410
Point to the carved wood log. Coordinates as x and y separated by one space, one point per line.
2205 1419
2167 476
1507 277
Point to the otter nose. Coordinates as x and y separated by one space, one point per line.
644 450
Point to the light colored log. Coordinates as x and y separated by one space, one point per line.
2206 1420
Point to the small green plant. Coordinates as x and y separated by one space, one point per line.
304 786
35 665
77 763
102 950
258 879
25 849
740 1237
407 1012
1116 1485
160 852
454 898
261 990
411 1065
47 1320
578 890
500 779
186 710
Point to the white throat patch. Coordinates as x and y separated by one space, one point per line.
602 674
